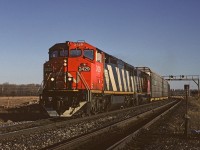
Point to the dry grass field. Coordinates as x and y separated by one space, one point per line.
194 113
9 102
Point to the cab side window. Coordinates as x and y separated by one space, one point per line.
54 54
99 57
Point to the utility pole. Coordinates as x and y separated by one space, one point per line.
186 88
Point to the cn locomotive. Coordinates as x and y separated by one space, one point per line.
80 79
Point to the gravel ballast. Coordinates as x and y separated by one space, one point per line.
166 134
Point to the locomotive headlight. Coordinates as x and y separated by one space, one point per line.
65 60
65 64
70 79
52 79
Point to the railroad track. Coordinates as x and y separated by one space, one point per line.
46 135
120 144
88 141
17 128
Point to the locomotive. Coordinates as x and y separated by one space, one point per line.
80 79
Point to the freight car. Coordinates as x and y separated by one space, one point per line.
81 79
159 87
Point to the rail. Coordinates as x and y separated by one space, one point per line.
58 132
80 141
122 143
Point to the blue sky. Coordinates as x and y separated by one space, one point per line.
161 34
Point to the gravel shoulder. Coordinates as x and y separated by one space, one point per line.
168 133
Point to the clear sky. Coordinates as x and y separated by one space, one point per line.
161 34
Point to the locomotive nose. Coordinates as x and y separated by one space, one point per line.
55 74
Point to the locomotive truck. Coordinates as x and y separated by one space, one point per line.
80 79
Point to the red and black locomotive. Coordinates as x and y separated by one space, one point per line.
82 79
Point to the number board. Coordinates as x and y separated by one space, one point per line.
84 68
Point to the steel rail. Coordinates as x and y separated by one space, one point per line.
53 124
120 144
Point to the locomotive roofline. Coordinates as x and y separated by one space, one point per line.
60 46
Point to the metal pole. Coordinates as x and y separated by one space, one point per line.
186 87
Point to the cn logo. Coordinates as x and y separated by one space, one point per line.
98 69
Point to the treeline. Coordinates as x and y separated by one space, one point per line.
181 92
7 89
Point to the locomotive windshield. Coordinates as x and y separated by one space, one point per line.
75 53
64 53
58 53
88 54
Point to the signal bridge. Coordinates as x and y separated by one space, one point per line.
194 78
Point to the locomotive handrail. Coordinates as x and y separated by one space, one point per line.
59 72
83 80
40 86
86 85
47 80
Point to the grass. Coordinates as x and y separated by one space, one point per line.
194 113
17 100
